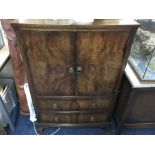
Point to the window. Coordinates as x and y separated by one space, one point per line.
142 56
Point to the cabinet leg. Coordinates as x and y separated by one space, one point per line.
40 130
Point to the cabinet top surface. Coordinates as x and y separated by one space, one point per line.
96 23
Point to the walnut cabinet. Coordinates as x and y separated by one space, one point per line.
74 71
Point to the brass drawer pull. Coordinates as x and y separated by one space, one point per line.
56 119
92 119
93 106
55 106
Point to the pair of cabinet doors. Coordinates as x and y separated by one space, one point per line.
63 63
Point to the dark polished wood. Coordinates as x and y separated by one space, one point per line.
72 118
100 55
73 124
74 71
77 97
135 106
50 54
74 104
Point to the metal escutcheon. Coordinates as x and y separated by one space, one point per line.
71 71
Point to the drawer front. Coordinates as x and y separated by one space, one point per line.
74 104
72 118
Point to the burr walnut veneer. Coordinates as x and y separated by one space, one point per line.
74 71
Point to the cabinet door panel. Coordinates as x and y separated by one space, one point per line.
100 58
49 57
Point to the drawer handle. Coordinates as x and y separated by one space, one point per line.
55 106
56 119
71 71
92 119
78 70
93 106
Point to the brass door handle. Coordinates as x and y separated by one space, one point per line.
78 70
71 71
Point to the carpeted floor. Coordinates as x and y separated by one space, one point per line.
25 127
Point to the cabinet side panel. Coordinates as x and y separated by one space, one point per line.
143 109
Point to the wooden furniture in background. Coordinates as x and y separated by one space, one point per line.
135 103
16 63
74 71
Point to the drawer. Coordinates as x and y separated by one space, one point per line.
74 104
73 118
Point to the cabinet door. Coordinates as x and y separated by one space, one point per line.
100 57
49 56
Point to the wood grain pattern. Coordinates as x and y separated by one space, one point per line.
100 55
72 118
50 54
74 104
49 50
